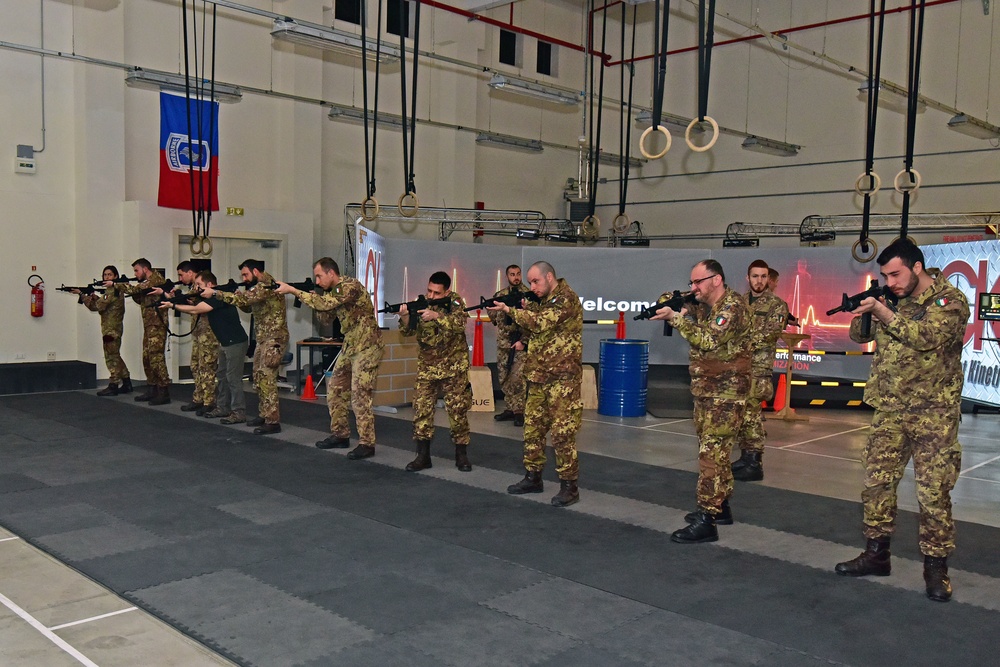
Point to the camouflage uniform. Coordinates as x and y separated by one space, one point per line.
720 381
204 360
510 371
111 306
154 330
356 368
916 389
554 373
442 366
271 332
768 314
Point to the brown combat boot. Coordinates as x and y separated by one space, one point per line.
568 494
161 397
873 560
462 458
423 460
936 578
110 390
532 483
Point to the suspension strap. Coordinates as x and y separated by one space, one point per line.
660 25
409 125
595 132
706 42
370 207
913 92
621 222
870 180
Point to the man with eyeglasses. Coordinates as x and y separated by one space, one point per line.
718 330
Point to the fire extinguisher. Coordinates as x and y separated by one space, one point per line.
37 295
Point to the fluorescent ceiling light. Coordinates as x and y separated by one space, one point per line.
770 146
331 39
645 119
891 97
531 89
615 160
974 127
151 79
352 115
507 141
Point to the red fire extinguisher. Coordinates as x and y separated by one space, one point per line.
37 295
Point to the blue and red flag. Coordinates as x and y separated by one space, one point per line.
189 153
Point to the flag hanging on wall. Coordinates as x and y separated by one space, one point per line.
189 153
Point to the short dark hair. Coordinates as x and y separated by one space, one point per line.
545 267
252 265
713 266
758 264
441 278
772 274
186 265
113 269
143 262
207 277
327 264
906 250
512 266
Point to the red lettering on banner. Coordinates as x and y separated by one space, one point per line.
372 271
979 282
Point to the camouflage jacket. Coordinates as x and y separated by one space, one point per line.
111 306
152 316
444 349
507 330
918 355
768 317
556 328
200 328
268 308
349 302
720 346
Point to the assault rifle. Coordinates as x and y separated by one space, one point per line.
183 299
119 279
850 303
677 301
167 286
84 291
420 303
306 285
231 286
511 300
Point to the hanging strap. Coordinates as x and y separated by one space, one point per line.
595 135
871 179
913 101
409 124
370 208
660 77
706 40
625 137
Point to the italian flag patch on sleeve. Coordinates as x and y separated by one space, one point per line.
942 302
721 320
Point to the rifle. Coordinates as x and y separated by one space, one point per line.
231 286
420 303
84 291
119 280
305 286
511 300
167 286
849 303
676 301
179 299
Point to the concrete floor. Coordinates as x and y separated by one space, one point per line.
51 615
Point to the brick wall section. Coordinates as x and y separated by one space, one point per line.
398 370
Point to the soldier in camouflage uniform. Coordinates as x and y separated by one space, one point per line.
204 351
511 345
916 390
111 306
554 374
271 332
154 330
768 317
356 368
718 330
442 367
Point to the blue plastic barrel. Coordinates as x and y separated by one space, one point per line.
624 371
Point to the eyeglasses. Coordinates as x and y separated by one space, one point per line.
695 283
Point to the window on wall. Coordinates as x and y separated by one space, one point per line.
348 11
546 63
397 18
509 48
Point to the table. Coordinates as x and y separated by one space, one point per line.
786 413
311 346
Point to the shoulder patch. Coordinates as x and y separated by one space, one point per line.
942 302
721 320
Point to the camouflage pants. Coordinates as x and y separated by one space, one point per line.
553 408
931 439
353 379
266 361
154 361
716 421
752 434
512 380
113 358
457 400
204 367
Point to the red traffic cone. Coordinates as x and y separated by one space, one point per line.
620 333
309 393
478 358
779 395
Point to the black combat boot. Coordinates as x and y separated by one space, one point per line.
267 429
936 578
162 396
741 462
423 459
192 407
205 409
256 421
873 560
462 458
753 471
568 493
519 419
504 416
110 390
361 452
532 483
701 530
723 518
126 387
146 395
333 442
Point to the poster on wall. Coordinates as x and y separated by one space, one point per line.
370 266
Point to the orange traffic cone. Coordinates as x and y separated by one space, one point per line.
620 333
779 395
478 359
309 393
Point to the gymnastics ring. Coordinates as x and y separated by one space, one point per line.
908 238
623 227
590 227
863 259
876 183
409 211
913 186
697 121
642 142
200 245
366 206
